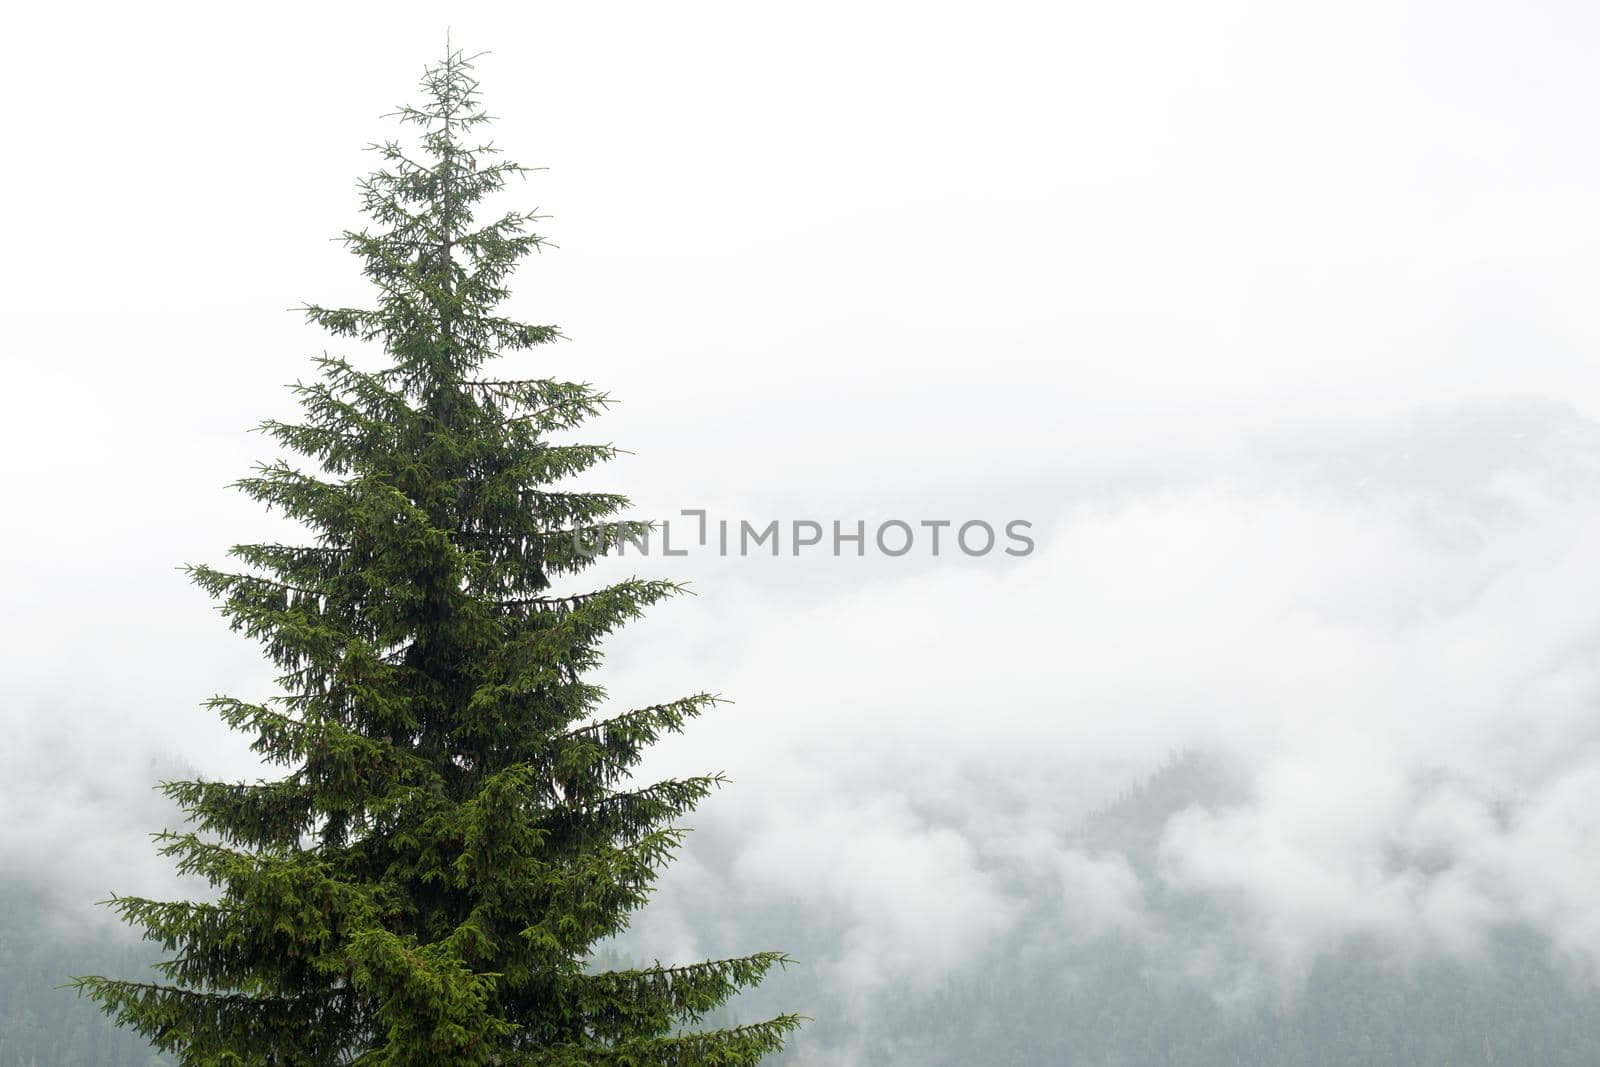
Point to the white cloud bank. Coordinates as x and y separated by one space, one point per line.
1388 633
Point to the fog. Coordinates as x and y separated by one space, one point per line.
1276 322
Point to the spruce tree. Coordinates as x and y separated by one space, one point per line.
456 826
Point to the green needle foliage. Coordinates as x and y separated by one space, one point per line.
456 828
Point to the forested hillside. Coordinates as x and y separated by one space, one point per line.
1126 1000
1104 1009
45 1026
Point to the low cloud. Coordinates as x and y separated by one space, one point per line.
1380 631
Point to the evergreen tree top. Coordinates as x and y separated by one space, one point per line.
438 275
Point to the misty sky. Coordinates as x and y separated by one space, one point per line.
1278 321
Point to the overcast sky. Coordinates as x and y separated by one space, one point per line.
1277 320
